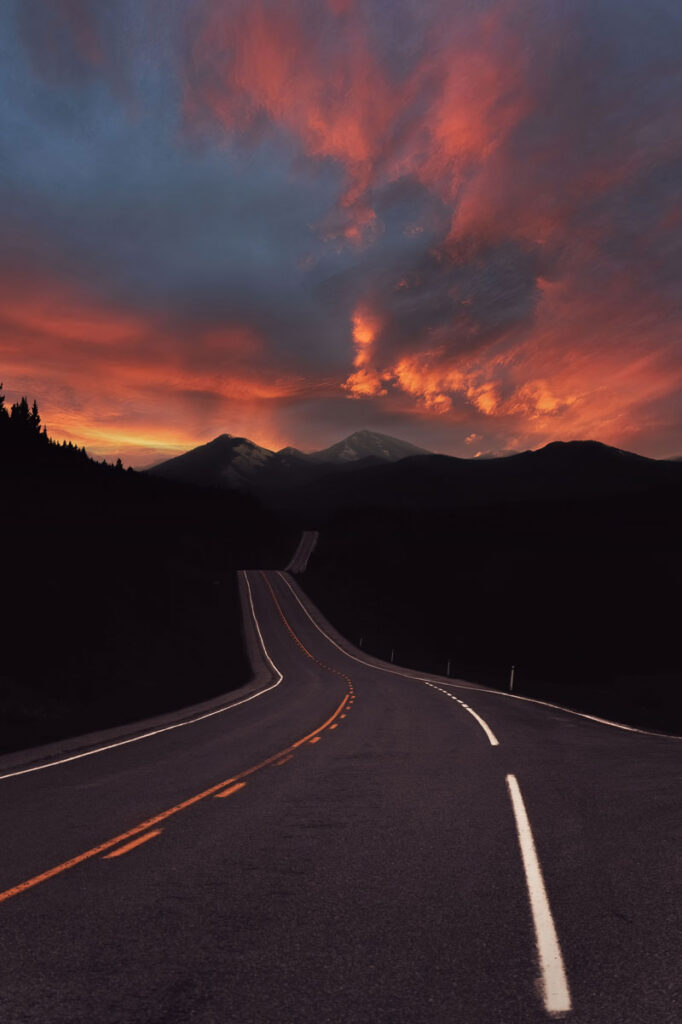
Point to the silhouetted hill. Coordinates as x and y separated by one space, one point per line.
119 595
25 447
564 562
561 470
372 470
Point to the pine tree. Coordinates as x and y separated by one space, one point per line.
34 418
20 415
4 417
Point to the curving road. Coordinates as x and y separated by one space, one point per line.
347 842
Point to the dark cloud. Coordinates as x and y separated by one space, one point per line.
495 187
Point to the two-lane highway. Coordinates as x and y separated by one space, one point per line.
351 843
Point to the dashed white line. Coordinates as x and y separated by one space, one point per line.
555 992
559 707
494 742
484 689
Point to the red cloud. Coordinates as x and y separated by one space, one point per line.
518 138
590 365
123 382
319 77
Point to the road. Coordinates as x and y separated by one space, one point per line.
352 844
299 560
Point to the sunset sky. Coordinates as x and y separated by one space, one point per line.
453 221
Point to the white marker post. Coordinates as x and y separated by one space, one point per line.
448 671
511 679
391 655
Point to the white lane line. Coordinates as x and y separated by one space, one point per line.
555 993
568 711
176 725
494 742
476 688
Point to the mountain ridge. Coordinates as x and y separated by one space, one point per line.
370 469
233 461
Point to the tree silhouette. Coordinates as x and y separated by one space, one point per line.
20 415
34 418
28 449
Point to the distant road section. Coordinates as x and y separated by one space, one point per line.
299 563
352 843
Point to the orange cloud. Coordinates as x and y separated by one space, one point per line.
128 384
446 120
364 382
520 279
564 376
264 58
321 79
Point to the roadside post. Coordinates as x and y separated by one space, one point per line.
511 679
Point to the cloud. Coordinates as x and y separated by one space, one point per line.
446 219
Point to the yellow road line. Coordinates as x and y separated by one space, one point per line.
230 790
184 804
131 846
143 826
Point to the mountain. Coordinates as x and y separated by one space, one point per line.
237 463
230 463
573 470
366 444
121 598
561 562
372 470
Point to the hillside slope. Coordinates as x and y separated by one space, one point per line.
119 598
579 594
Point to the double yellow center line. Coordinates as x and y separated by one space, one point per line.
228 785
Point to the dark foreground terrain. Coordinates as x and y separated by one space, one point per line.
565 562
345 846
582 596
119 595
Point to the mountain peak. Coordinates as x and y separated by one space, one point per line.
587 451
368 444
236 462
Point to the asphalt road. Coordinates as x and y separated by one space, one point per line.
348 846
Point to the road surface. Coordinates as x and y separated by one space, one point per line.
307 544
348 844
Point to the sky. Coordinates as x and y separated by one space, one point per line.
454 221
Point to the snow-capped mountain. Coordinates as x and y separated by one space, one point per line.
238 463
226 461
367 444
